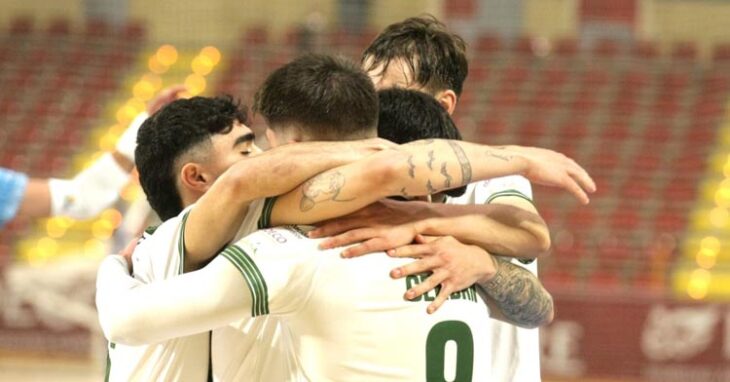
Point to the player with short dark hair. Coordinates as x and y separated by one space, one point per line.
317 97
420 53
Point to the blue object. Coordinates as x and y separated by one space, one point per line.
12 190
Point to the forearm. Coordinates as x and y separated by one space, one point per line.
215 219
37 199
89 192
422 168
133 313
516 296
499 229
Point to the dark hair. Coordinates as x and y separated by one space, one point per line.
410 115
328 97
173 131
436 57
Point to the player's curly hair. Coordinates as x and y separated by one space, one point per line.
436 57
176 129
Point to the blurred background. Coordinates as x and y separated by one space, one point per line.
634 90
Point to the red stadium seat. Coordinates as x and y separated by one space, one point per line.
684 51
566 48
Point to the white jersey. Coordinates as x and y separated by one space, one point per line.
160 256
515 350
348 320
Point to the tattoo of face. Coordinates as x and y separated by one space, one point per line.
447 176
431 158
519 294
411 167
463 162
322 188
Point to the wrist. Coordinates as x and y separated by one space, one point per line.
490 275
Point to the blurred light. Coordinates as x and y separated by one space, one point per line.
719 217
143 90
108 141
47 247
201 65
706 258
726 168
212 53
102 229
153 80
35 257
55 228
156 66
126 114
722 196
195 84
710 243
94 248
113 216
166 55
131 193
699 282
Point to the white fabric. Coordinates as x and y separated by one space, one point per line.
90 192
347 317
515 350
158 257
127 143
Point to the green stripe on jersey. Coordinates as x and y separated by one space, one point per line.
253 277
509 193
181 244
265 219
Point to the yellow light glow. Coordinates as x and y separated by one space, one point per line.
143 90
47 247
131 193
710 243
166 55
212 53
719 217
699 283
726 168
156 66
102 229
153 79
706 258
722 197
201 65
108 141
195 84
113 216
55 228
126 114
94 248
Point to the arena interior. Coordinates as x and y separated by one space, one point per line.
635 90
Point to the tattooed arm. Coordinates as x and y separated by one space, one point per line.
516 296
421 168
217 215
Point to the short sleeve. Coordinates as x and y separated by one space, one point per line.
514 185
279 278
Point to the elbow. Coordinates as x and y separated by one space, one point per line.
545 316
543 241
387 169
121 330
540 237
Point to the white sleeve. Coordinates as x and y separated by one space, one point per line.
513 185
279 279
133 313
90 192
